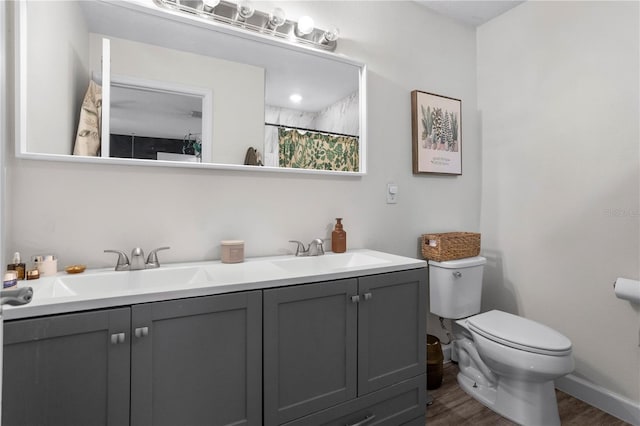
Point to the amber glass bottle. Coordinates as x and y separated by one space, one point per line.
18 266
338 238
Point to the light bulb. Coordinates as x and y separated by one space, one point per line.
305 26
331 35
211 3
245 9
277 17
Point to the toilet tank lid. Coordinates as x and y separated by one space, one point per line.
521 333
467 262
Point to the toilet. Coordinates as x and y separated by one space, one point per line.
506 362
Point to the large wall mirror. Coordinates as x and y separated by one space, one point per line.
133 83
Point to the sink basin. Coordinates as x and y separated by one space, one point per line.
51 289
329 262
231 273
131 281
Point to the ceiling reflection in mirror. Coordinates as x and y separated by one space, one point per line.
185 94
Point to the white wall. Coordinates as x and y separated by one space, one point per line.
78 210
559 99
238 89
63 59
341 116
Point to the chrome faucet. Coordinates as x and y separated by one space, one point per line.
137 259
315 248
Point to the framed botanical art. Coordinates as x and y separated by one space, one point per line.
437 133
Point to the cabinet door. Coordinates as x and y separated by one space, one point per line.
67 369
309 348
197 361
391 328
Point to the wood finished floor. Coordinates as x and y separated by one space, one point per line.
452 406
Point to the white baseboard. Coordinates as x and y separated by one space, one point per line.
601 398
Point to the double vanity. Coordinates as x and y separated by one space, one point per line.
333 339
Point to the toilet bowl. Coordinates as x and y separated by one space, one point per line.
506 362
509 363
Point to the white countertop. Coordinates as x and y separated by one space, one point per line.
104 288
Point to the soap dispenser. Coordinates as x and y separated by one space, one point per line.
338 238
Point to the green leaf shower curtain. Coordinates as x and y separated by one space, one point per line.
319 151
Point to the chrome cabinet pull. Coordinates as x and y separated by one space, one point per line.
368 296
355 299
364 421
117 338
141 332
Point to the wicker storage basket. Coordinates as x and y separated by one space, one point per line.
450 245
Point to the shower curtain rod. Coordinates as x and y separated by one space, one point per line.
309 130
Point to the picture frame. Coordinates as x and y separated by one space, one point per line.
436 124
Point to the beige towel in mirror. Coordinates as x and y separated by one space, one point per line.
89 126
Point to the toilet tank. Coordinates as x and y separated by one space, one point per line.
455 287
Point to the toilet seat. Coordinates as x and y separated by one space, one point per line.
519 333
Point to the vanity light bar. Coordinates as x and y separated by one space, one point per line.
227 12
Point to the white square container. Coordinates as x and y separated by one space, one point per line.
232 251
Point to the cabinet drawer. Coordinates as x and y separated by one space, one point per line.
394 405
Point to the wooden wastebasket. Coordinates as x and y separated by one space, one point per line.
435 360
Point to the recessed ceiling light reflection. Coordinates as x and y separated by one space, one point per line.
296 98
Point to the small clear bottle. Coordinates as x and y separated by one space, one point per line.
18 266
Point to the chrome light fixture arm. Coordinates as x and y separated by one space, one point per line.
272 24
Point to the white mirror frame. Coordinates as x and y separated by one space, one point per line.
20 23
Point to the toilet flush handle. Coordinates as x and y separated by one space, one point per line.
457 274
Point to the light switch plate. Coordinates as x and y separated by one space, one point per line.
392 193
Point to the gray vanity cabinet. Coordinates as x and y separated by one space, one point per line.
333 348
197 361
67 369
194 361
347 351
